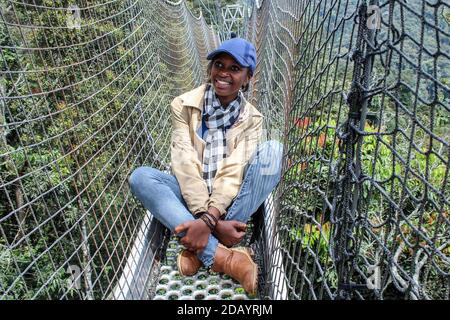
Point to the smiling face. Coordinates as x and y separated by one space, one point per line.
228 77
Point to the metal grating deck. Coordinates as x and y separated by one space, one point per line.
170 285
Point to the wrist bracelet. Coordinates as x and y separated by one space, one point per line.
212 220
199 214
211 216
209 219
208 223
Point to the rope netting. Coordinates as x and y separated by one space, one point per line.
363 89
85 96
356 90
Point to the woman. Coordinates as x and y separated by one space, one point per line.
222 172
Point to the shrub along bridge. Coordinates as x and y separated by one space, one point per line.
356 90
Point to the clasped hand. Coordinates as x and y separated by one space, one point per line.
196 237
228 232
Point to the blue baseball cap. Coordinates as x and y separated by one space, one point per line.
241 50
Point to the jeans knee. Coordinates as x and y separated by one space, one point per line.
138 176
271 152
277 148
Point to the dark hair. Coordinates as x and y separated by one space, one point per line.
208 72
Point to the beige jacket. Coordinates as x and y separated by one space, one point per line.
187 152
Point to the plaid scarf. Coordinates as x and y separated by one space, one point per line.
218 120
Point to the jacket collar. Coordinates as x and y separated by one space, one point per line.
194 98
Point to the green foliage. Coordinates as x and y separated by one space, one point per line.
78 111
401 159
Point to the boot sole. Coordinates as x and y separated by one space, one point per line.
179 265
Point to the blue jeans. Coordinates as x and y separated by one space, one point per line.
160 193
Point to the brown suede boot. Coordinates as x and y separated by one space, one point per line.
188 263
238 264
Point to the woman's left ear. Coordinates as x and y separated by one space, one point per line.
247 82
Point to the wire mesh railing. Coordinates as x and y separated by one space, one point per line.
85 94
364 200
356 90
